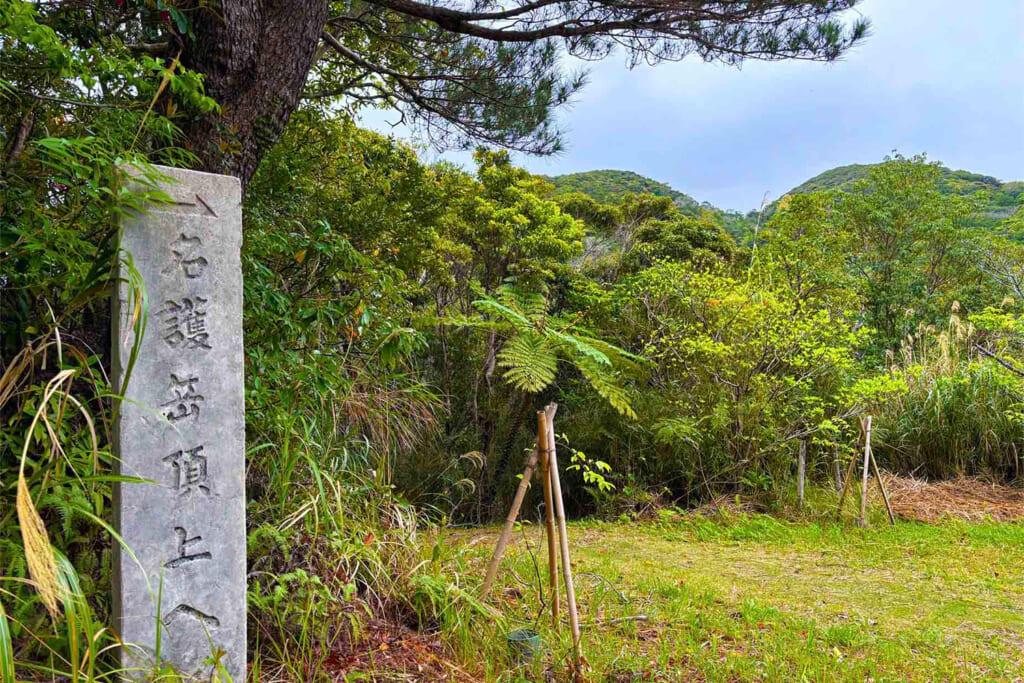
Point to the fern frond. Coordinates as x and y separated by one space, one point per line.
611 350
460 321
530 362
606 384
517 319
532 304
272 534
678 430
14 556
589 351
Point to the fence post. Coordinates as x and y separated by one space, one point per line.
864 480
801 471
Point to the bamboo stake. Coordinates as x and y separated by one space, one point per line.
801 470
570 591
510 521
864 480
846 487
881 487
545 442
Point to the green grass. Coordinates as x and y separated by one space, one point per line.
752 598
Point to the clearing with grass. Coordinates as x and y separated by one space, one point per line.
752 598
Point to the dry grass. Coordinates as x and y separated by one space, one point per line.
971 499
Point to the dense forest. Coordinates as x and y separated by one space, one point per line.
405 321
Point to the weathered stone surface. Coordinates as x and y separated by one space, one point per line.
182 426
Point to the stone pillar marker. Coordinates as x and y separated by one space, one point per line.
182 426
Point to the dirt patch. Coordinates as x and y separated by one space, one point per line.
390 652
974 499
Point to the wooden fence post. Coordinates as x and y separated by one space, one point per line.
801 471
864 480
839 473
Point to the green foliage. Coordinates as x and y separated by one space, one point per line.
516 232
529 361
679 238
595 472
998 200
611 187
804 247
748 366
912 247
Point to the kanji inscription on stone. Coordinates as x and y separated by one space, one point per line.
182 428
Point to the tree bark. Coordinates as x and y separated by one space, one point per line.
506 450
255 55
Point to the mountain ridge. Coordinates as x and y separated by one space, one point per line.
606 185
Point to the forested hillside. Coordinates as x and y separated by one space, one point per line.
1000 198
610 186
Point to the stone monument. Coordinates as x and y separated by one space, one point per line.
182 427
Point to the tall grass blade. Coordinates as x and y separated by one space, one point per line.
138 299
6 651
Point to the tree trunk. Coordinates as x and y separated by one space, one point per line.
506 450
255 55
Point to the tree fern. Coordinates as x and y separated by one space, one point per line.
537 341
533 305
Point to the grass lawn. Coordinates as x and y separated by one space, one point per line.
753 598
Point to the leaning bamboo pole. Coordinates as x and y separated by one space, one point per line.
510 522
846 486
864 479
545 443
881 487
570 591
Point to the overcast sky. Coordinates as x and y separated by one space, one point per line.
945 77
